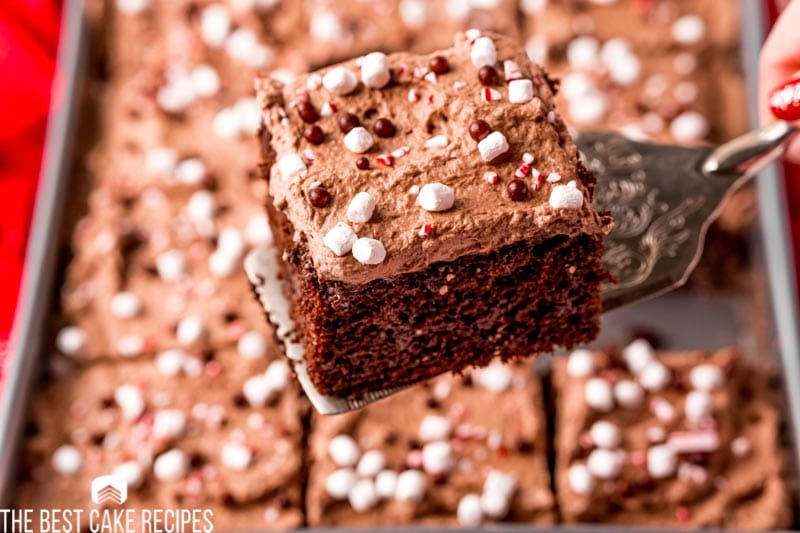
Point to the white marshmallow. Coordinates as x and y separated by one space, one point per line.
236 455
413 13
131 472
566 196
605 434
437 457
582 53
468 513
130 401
257 232
655 376
537 49
190 171
130 345
625 70
689 126
67 460
361 208
358 140
171 465
689 29
434 427
496 377
170 362
493 145
375 70
698 406
339 482
340 239
628 393
205 80
344 451
661 461
215 25
326 27
71 340
226 123
706 377
248 115
531 7
598 395
494 505
171 265
169 423
588 108
257 391
125 305
580 364
340 81
386 483
133 7
410 486
436 197
372 462
369 251
190 329
483 52
580 479
520 91
290 166
252 345
437 141
161 161
605 464
200 209
362 496
637 355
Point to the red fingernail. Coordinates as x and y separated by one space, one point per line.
784 102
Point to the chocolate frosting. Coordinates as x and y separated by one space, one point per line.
483 217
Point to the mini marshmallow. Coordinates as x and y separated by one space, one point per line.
190 171
437 141
222 264
496 377
248 115
168 423
537 49
277 375
500 483
358 140
655 376
582 53
580 479
410 486
580 364
339 483
71 340
494 505
361 208
436 197
372 462
663 410
326 27
531 7
131 345
252 345
340 80
243 46
689 126
698 406
689 29
566 196
344 451
369 251
133 7
125 305
483 52
362 495
225 123
437 457
257 391
588 108
215 25
257 232
628 393
598 395
130 401
637 355
413 13
468 513
171 465
170 362
625 70
161 161
375 70
205 80
340 239
190 329
741 447
605 464
661 462
605 434
434 427
493 146
67 460
290 166
520 91
200 208
386 483
131 472
171 265
236 455
706 377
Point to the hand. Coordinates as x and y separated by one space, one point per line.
779 69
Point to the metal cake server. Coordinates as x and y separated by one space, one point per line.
663 199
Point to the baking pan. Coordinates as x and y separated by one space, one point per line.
667 316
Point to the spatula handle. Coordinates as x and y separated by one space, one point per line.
749 153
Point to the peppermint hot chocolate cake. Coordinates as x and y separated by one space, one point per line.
431 213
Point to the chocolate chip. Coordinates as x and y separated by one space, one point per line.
414 444
432 403
319 197
488 76
314 134
98 438
362 163
307 112
517 190
239 400
479 129
348 121
196 460
230 316
391 438
384 128
439 65
524 446
466 380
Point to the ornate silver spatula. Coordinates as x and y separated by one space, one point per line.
663 199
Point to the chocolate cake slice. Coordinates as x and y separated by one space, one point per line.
430 212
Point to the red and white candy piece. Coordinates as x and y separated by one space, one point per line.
701 441
490 95
425 230
491 178
511 70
